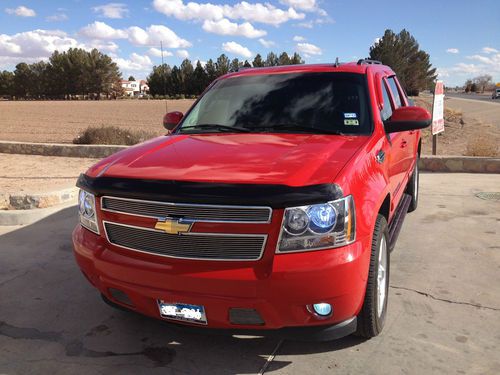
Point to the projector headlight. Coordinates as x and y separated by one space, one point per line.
318 226
87 211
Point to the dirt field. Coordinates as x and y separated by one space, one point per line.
62 121
39 174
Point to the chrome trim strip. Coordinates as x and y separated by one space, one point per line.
269 209
264 236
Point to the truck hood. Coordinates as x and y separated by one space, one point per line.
285 159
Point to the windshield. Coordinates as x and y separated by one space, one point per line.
329 103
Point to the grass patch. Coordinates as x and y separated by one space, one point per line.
112 135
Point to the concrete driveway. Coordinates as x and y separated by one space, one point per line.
444 305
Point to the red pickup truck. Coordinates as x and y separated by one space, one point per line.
271 207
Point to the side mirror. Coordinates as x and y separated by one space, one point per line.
408 118
171 119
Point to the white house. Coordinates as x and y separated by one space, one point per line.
134 88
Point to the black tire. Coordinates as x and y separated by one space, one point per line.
371 319
412 188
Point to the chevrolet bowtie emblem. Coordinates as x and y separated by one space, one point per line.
173 226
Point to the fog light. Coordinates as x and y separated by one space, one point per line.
322 309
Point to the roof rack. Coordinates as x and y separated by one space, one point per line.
369 62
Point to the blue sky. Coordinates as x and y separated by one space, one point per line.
462 37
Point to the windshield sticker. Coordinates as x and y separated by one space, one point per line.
351 122
350 115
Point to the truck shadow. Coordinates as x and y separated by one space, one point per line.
45 299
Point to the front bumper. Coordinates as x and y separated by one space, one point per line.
278 289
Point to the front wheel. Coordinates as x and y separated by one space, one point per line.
371 319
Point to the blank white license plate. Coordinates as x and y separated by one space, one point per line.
182 312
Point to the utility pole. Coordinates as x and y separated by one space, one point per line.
164 78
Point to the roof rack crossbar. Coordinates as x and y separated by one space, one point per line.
369 62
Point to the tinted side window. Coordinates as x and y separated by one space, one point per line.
395 92
386 112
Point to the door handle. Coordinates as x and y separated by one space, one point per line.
404 144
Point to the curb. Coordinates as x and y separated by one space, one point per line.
25 217
11 202
459 164
59 149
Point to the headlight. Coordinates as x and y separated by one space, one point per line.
87 211
318 226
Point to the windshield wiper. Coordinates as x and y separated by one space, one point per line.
222 128
295 127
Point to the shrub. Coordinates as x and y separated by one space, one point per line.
112 135
482 145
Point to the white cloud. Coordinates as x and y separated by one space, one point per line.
21 11
237 49
266 43
256 12
103 46
101 30
376 41
308 49
135 62
305 5
36 44
306 25
156 52
457 73
489 50
155 34
151 36
483 59
453 50
112 10
182 53
298 38
226 27
57 17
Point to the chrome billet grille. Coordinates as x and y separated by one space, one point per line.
196 212
207 246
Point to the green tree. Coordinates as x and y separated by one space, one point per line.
6 83
235 65
272 59
222 65
38 88
186 77
402 53
200 79
211 70
284 59
296 59
257 61
131 78
22 80
159 80
246 64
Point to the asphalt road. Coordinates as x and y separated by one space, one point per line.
484 98
444 305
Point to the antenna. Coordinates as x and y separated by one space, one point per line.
164 78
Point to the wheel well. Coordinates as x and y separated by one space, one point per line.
386 207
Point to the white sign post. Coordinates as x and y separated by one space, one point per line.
437 114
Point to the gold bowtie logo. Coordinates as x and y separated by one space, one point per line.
172 226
